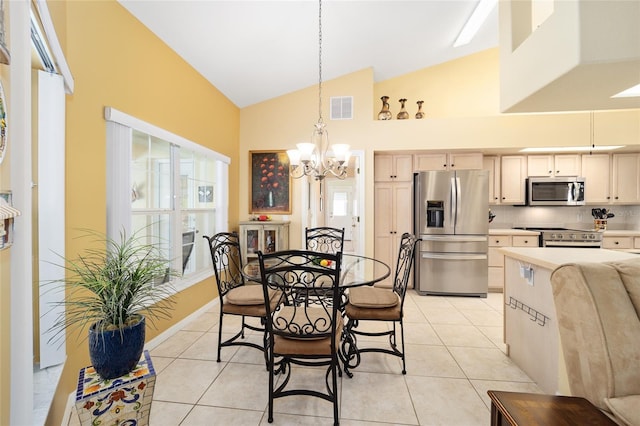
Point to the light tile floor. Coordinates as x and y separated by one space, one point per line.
454 355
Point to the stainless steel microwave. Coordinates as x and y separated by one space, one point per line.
560 191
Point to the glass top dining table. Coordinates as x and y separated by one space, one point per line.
355 270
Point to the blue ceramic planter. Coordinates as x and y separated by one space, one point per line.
115 353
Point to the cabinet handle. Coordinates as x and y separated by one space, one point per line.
616 243
616 197
550 171
526 241
453 165
444 165
608 198
557 171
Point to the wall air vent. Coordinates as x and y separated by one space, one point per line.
342 108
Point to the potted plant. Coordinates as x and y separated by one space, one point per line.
114 290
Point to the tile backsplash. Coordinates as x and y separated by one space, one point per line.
626 217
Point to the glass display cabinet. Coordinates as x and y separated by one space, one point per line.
267 236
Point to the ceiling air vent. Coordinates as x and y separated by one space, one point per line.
342 108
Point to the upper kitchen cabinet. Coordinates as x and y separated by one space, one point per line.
513 175
596 169
491 163
626 178
393 167
553 165
448 161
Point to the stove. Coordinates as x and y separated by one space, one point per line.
563 237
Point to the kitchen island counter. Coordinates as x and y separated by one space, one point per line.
553 257
530 327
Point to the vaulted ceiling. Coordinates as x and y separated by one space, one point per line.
257 50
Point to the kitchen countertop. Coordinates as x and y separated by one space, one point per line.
620 233
511 231
553 257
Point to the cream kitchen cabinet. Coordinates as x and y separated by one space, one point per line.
596 169
448 161
621 240
513 173
393 167
266 237
553 165
626 178
496 261
392 218
505 238
491 163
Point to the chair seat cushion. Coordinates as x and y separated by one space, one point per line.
625 408
247 306
373 297
374 314
246 295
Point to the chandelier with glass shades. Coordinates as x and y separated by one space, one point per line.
317 158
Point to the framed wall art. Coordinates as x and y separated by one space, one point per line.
270 184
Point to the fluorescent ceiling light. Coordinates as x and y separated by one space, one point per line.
631 92
474 23
573 148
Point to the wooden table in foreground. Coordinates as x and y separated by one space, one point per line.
530 409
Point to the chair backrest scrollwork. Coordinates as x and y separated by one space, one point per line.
406 254
298 277
227 261
324 239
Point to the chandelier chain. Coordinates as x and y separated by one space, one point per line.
320 61
315 159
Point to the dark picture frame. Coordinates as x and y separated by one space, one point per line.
270 182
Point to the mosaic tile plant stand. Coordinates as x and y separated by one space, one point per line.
124 401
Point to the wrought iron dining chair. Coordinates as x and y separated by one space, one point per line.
302 330
324 239
236 297
383 304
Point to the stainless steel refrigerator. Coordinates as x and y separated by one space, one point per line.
451 216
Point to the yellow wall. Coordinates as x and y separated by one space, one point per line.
117 62
464 87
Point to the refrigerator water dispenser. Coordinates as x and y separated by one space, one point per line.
435 214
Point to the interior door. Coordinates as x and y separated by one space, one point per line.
343 200
341 205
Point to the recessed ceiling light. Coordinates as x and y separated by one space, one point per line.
573 148
474 23
631 92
